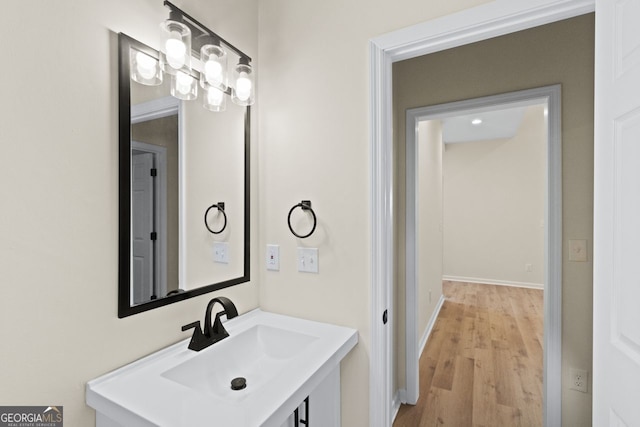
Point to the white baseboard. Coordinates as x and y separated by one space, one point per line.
494 282
429 328
398 398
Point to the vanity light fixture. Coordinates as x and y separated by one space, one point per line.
242 93
175 54
145 69
182 37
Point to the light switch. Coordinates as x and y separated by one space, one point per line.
273 257
221 252
578 250
308 260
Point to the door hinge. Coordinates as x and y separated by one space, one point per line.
154 172
154 236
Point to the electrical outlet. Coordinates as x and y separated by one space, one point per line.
578 250
528 268
578 379
221 252
273 257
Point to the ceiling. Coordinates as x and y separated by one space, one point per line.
482 125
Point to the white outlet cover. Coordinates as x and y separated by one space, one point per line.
221 252
308 260
272 258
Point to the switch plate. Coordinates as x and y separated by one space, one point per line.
528 268
221 252
578 250
273 257
308 260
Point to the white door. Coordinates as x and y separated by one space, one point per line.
616 296
142 214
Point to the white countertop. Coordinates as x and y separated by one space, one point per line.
140 394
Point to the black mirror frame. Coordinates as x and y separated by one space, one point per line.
125 43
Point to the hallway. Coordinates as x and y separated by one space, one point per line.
482 365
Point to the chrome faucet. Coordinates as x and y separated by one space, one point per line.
212 332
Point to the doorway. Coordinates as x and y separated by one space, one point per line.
460 29
148 221
496 236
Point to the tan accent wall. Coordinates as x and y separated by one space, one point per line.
561 52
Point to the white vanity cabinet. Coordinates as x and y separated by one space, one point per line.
324 404
284 360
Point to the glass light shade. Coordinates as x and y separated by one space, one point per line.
243 89
184 86
214 67
144 68
175 54
214 99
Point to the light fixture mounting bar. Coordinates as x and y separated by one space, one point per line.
198 30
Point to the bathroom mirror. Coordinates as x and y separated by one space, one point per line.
183 193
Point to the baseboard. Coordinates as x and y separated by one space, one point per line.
494 282
398 398
429 328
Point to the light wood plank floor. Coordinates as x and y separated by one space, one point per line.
482 365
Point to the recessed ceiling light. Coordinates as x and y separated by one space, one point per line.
476 121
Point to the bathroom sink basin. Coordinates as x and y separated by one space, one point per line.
283 359
258 355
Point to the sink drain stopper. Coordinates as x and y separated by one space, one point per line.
238 383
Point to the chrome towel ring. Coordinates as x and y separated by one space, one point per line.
220 207
305 205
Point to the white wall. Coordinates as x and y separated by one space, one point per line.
59 190
494 204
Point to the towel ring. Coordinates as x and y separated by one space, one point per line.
305 205
220 207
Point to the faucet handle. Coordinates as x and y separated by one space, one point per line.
198 339
195 325
218 328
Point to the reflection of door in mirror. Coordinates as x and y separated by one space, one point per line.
154 193
143 222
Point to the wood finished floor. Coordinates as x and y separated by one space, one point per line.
482 365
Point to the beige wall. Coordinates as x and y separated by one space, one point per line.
494 204
59 188
562 53
430 220
314 144
58 181
214 164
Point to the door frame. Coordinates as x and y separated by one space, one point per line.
159 212
486 21
552 347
